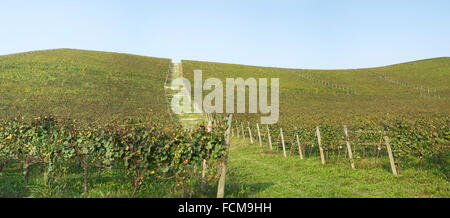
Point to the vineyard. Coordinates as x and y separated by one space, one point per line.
89 86
413 142
319 100
108 132
143 150
375 111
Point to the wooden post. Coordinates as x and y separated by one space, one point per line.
205 162
320 146
237 131
259 135
269 137
205 167
299 147
391 157
243 132
250 135
349 148
210 123
223 163
282 142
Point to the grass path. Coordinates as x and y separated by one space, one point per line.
188 120
256 172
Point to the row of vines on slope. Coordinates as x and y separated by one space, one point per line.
416 140
160 150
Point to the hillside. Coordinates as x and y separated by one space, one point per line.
406 103
91 85
320 96
84 85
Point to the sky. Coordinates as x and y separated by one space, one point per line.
292 34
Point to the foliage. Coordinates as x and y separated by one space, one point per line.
143 149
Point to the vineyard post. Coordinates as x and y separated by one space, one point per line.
299 147
391 157
282 142
243 132
269 137
349 148
205 162
346 151
237 131
205 166
86 172
259 135
223 163
210 125
251 134
320 146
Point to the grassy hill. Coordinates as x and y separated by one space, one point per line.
319 96
84 85
91 85
101 86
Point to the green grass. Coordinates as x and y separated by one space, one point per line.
253 173
262 173
84 85
111 184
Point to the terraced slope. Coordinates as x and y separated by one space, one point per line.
84 85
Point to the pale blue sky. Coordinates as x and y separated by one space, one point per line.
295 34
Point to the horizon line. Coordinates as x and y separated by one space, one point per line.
215 62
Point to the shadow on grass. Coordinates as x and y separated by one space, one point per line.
429 164
234 187
232 190
238 190
12 180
